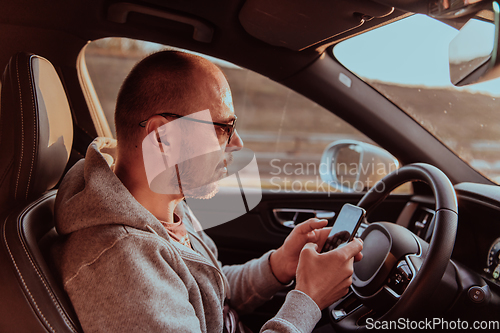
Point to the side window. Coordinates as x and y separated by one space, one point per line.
286 131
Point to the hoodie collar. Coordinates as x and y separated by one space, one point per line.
91 195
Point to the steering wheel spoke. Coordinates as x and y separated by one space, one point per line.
401 276
354 309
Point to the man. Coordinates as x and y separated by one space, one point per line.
130 258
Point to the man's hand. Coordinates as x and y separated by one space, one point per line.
284 261
326 277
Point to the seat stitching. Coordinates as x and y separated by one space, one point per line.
24 283
34 129
61 311
6 171
22 129
56 303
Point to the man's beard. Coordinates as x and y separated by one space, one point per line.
207 190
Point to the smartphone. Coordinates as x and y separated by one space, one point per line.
345 227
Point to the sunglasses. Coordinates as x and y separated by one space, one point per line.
228 129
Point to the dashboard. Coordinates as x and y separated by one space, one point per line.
478 238
477 246
472 280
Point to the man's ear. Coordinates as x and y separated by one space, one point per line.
155 124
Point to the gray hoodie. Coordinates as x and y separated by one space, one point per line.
123 273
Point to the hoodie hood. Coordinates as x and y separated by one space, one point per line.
91 194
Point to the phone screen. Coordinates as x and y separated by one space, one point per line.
345 227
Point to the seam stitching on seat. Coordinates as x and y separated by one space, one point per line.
93 261
56 303
34 129
24 282
22 128
6 171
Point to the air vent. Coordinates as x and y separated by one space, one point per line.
423 223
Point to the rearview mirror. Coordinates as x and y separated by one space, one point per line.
449 9
473 53
354 166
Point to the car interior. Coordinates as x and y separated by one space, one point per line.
433 251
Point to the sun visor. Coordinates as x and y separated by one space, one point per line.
299 24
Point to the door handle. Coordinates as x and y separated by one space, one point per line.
288 216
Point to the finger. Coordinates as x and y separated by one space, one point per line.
322 236
347 282
311 225
310 248
352 248
358 256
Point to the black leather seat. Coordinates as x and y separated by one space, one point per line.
36 135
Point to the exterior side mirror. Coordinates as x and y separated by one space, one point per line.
354 166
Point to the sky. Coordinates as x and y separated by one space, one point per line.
412 51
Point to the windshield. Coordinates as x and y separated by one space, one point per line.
407 61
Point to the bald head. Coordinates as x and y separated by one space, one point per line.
168 81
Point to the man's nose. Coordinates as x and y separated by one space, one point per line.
235 144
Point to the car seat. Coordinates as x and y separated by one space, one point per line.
36 136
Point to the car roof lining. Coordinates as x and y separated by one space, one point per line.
298 25
230 41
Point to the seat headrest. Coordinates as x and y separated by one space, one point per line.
36 128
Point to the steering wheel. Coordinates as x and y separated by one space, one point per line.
399 271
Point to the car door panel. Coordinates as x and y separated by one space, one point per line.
258 231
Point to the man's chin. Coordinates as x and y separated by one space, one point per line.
203 192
